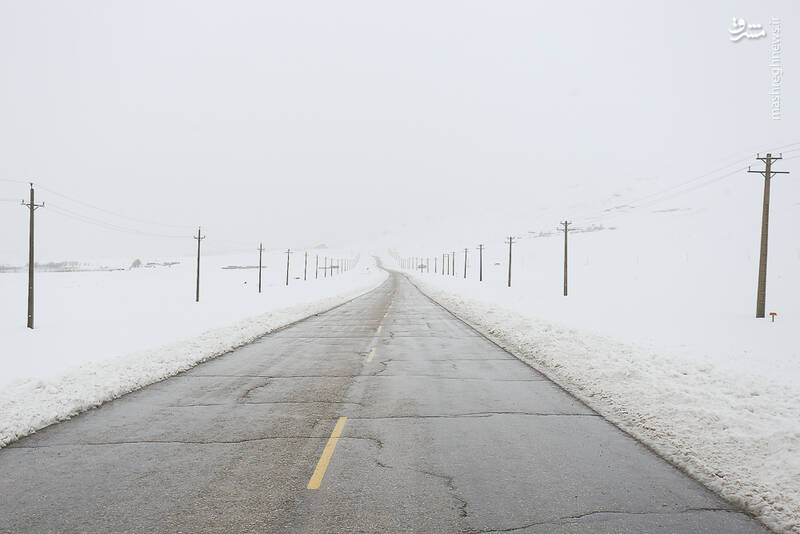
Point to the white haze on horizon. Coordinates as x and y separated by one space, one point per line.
348 123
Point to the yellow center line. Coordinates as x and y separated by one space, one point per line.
380 327
371 355
322 465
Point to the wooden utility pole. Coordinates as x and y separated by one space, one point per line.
510 242
435 265
305 266
448 263
32 206
761 296
288 252
465 263
260 252
454 262
316 266
428 265
566 231
480 263
325 269
197 288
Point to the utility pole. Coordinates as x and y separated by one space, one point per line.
260 252
480 263
761 296
32 206
465 264
197 289
510 242
428 265
566 231
448 263
288 251
305 267
325 269
316 266
454 262
435 265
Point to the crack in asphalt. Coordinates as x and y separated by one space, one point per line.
476 359
579 517
462 506
473 414
255 403
460 378
301 402
378 442
242 397
266 376
451 486
167 442
385 364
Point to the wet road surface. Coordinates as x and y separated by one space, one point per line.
405 418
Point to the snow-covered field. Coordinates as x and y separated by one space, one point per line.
658 332
102 334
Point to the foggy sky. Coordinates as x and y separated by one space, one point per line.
299 123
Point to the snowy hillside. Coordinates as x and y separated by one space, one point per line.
658 332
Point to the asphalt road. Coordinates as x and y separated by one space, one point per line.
444 432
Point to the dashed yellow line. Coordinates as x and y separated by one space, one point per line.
324 460
371 355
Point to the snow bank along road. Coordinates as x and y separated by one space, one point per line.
386 414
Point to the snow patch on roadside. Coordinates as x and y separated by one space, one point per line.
737 434
29 405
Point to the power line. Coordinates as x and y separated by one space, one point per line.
657 194
663 197
675 190
667 193
64 212
698 186
109 212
